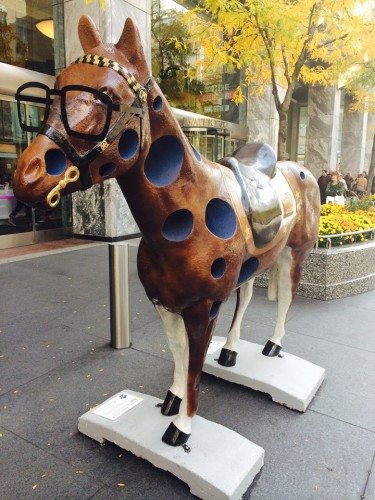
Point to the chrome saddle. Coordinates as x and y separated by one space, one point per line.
254 165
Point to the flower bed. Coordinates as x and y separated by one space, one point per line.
331 273
338 219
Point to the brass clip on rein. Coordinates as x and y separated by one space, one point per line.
54 196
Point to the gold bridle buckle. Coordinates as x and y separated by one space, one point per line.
103 145
54 196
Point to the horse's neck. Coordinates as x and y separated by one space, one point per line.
149 203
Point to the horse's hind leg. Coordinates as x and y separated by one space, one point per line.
199 321
176 334
228 353
288 275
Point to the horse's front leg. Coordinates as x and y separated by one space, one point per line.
176 334
199 320
228 353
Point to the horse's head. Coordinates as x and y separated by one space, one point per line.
94 119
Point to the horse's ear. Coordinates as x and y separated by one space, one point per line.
130 42
88 33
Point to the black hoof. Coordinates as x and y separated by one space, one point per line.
227 357
174 437
171 405
271 349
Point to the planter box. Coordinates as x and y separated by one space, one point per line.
336 273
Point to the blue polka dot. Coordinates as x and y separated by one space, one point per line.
218 268
128 144
302 175
178 225
215 309
55 161
221 219
107 169
248 268
157 103
164 160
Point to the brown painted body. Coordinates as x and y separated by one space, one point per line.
176 275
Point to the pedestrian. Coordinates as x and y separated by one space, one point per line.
13 214
349 180
335 190
323 183
360 185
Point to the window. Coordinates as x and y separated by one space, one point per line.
21 42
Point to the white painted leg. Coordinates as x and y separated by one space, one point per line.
272 284
245 293
180 429
285 293
177 339
183 421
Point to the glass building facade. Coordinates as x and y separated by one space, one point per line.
26 53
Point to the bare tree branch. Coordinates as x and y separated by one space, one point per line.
265 39
286 64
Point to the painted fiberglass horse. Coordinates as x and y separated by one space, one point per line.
207 228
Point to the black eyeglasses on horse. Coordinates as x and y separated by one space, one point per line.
102 102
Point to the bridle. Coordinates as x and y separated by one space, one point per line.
81 162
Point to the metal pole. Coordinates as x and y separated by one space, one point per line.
119 294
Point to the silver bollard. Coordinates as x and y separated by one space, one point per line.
119 294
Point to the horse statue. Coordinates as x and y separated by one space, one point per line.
207 228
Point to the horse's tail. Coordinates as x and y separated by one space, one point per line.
273 290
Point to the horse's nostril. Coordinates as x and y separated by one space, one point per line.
55 161
33 169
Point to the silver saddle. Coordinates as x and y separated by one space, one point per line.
254 165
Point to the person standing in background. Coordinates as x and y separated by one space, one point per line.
323 183
361 184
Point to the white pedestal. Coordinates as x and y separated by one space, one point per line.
221 464
289 380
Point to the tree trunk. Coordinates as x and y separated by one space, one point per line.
371 170
283 129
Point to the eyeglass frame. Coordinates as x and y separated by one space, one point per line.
102 96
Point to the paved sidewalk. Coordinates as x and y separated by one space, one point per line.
55 363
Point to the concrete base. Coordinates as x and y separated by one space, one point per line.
289 380
221 464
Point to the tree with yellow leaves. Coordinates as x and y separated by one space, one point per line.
281 43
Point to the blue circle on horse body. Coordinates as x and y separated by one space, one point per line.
221 219
128 143
248 268
55 161
218 268
215 309
157 103
178 225
164 160
107 169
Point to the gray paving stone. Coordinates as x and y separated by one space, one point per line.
345 324
146 483
33 347
347 391
26 471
